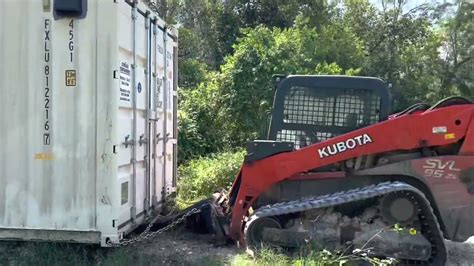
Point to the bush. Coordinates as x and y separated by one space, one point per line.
200 177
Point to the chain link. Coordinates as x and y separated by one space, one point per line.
147 234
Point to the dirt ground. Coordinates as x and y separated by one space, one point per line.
461 253
172 248
181 247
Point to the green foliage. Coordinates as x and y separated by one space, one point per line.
235 101
228 107
194 71
458 50
400 47
279 13
229 50
270 257
200 177
199 132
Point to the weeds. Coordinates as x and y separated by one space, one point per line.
308 256
199 178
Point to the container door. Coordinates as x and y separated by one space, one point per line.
170 118
156 114
159 132
164 112
134 112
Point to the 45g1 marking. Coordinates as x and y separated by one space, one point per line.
71 40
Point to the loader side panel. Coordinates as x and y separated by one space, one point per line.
450 181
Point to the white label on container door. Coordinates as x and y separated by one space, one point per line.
125 81
158 100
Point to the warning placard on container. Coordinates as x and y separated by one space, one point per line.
125 81
70 77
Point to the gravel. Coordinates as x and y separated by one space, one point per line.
461 253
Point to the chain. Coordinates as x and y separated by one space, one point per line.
147 234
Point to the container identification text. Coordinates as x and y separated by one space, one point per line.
46 83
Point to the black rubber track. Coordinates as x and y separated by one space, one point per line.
429 223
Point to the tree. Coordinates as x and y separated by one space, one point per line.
401 47
209 28
230 49
458 49
232 103
280 13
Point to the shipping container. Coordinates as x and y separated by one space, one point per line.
88 115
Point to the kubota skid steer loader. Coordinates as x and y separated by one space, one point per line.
338 168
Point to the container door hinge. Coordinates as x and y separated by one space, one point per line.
147 20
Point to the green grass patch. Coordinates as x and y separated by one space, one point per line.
306 257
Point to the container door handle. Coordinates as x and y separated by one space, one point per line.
142 140
128 141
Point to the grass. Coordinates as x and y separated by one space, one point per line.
33 253
29 253
306 256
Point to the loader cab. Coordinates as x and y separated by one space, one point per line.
311 109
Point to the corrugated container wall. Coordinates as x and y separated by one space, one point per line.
88 117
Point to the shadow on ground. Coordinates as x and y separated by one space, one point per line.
173 248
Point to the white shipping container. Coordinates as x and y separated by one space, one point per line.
88 115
